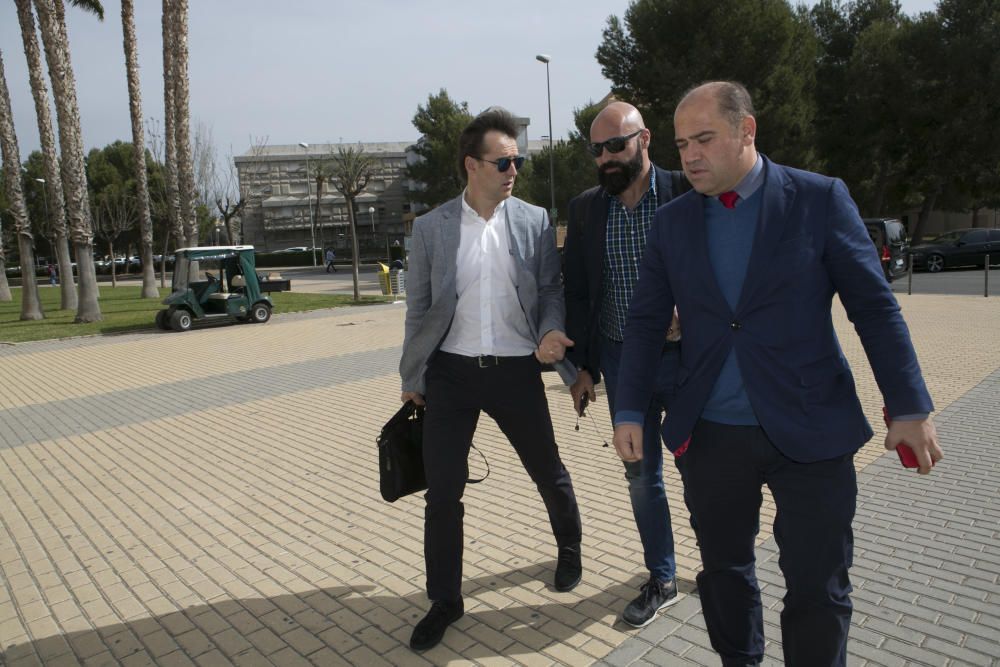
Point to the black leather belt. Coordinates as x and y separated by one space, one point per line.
483 360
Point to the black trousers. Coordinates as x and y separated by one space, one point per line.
512 393
723 471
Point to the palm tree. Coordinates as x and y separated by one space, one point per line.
31 309
52 21
182 118
176 222
4 285
352 168
53 179
138 151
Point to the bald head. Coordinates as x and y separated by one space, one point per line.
714 131
731 99
619 142
620 115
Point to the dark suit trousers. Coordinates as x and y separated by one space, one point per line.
723 470
512 393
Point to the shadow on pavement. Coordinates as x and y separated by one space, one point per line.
342 618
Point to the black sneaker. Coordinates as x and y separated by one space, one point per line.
569 569
430 630
654 596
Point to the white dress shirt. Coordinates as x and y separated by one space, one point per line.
488 317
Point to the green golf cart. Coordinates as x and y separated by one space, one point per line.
216 283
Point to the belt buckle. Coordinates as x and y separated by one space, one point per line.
484 364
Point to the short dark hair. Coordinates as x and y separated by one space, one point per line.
470 142
733 98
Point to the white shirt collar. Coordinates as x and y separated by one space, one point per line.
471 211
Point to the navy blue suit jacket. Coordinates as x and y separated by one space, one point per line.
810 244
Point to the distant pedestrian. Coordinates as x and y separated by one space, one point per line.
53 274
330 256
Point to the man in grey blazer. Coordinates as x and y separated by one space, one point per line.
484 310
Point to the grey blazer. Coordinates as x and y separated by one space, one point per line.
431 295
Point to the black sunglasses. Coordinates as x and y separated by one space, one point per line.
614 144
503 164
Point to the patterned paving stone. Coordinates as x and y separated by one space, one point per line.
211 498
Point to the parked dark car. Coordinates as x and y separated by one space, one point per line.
959 247
891 243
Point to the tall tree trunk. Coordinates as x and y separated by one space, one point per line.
182 121
53 179
354 246
924 216
4 285
169 133
319 221
163 260
881 185
114 265
31 308
50 19
149 290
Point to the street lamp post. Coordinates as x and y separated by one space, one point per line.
371 214
312 225
542 58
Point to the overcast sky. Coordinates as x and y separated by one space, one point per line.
330 70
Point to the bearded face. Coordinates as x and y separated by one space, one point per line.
615 176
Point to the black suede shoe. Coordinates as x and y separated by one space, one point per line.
569 569
430 630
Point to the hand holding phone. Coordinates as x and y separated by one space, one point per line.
903 450
584 400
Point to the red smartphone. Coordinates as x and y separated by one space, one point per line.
906 455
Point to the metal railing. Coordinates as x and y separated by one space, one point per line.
986 275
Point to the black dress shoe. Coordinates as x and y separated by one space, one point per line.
430 630
569 569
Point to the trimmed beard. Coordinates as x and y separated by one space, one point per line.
616 182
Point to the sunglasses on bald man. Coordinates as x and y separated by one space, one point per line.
503 164
614 144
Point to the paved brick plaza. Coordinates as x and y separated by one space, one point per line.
211 498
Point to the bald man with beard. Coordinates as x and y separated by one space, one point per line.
605 240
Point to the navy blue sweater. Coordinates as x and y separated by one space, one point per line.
730 235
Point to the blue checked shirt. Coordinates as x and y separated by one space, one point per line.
625 241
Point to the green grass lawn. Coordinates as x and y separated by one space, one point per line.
123 310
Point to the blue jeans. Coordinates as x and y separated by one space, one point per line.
645 477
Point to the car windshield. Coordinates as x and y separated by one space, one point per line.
202 269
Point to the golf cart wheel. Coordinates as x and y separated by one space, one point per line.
935 263
260 313
163 319
180 320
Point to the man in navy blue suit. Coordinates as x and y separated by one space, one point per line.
752 259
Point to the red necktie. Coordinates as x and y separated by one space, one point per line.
728 199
